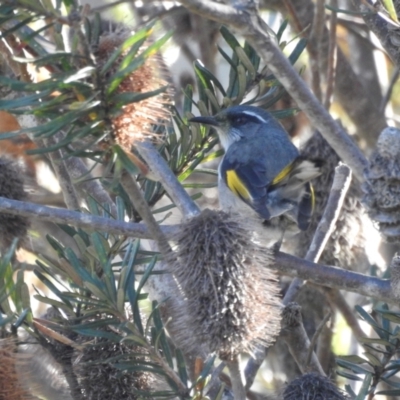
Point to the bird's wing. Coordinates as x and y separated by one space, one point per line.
249 182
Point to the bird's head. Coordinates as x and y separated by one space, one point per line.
235 123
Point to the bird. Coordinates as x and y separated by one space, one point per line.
261 168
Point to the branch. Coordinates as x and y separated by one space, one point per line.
386 32
315 337
160 168
335 277
58 163
248 24
296 338
238 390
79 220
332 55
92 187
340 185
136 197
315 37
357 99
285 264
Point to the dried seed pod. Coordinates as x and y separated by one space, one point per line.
313 386
12 187
382 185
98 378
136 120
12 387
231 297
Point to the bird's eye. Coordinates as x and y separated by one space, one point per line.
239 120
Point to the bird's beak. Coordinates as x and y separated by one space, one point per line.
205 120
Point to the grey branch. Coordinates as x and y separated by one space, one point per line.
64 178
78 219
386 31
285 264
340 185
161 170
236 378
77 170
249 24
356 90
136 197
296 338
335 277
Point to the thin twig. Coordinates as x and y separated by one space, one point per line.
315 338
135 195
331 70
334 277
214 385
239 393
356 99
324 346
160 168
340 185
63 176
337 300
249 24
92 187
296 338
80 219
316 37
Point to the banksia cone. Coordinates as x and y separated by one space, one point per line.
12 385
231 297
382 185
312 386
11 187
98 378
136 120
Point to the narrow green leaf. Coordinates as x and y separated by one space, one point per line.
182 370
229 38
348 375
390 392
187 100
52 287
301 45
353 359
282 29
138 38
390 9
122 99
356 368
364 387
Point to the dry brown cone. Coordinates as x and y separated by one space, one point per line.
11 380
137 120
230 295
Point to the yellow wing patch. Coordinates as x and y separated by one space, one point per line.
236 185
283 174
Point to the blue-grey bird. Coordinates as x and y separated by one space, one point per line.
261 166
